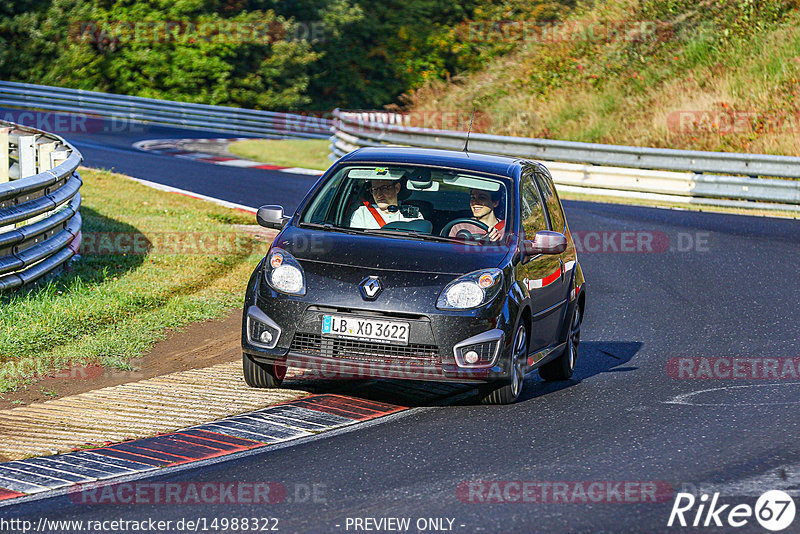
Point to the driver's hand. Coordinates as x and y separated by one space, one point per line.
493 234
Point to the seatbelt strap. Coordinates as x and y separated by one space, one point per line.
375 214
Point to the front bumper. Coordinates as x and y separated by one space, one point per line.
434 353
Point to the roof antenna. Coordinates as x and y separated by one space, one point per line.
466 143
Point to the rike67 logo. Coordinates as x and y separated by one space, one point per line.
774 510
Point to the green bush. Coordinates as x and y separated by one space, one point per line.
367 54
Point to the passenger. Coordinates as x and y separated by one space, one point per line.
483 203
385 210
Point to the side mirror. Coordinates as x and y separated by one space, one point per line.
271 217
545 242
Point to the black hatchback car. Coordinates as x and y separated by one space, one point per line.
421 264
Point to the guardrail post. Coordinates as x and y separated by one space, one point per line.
45 162
5 164
5 161
58 156
26 155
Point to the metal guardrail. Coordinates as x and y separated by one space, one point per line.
40 225
636 172
164 112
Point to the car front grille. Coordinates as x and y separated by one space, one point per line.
366 351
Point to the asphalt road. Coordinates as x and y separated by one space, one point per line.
725 287
106 145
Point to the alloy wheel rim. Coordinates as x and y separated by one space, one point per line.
574 337
519 348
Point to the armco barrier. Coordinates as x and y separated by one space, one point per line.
637 172
39 221
163 112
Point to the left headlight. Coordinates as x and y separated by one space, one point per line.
283 273
471 290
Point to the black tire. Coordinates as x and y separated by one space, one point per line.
562 367
508 392
262 375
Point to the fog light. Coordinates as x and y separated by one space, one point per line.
262 331
266 337
479 352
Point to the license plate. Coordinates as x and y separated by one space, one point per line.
376 330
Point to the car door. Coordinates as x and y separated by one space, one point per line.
541 276
558 223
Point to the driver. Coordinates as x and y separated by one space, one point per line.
483 203
385 208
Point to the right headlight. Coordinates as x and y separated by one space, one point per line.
471 290
283 273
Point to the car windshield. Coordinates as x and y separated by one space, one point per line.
413 203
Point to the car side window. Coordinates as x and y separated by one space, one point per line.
554 209
531 211
319 211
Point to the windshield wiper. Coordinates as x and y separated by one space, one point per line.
411 234
329 227
405 233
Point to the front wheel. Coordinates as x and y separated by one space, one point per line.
562 367
508 393
262 375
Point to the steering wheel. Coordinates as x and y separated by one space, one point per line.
447 227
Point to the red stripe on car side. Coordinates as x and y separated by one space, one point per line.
551 278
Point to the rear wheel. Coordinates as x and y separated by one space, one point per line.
508 393
262 375
562 367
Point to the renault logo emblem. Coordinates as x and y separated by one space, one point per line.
370 288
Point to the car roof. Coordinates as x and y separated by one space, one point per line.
472 161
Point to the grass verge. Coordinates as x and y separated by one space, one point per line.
714 75
184 262
308 153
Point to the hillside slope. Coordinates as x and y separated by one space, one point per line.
709 75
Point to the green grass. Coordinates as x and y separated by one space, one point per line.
308 153
737 58
107 309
